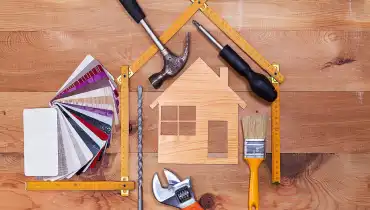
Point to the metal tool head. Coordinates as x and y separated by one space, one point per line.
173 64
178 194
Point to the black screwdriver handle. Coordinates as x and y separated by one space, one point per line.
133 8
259 83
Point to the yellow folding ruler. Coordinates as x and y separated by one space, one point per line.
200 5
275 132
124 185
67 185
271 69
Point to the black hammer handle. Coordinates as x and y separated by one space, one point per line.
133 9
260 85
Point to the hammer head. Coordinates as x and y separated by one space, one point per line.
173 64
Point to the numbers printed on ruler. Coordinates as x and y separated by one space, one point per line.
276 136
275 129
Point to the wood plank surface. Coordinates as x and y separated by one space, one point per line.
322 49
65 50
321 122
70 15
331 61
318 184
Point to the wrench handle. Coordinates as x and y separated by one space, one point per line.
133 8
194 206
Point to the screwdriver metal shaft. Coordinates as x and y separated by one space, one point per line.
208 35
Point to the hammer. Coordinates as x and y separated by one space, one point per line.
172 63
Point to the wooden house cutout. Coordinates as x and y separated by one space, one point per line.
197 100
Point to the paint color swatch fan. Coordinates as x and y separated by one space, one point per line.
73 134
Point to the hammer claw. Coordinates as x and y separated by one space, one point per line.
173 64
185 53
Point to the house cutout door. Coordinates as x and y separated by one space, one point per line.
217 139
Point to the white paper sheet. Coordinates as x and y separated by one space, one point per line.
40 142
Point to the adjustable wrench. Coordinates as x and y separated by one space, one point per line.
178 194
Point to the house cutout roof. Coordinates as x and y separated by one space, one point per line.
199 84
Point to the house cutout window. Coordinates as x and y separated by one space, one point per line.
217 139
178 120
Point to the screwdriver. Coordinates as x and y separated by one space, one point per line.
259 83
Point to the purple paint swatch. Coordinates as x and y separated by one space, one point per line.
104 112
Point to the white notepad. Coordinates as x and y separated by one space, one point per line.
40 142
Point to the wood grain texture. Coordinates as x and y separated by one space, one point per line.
87 15
320 45
336 56
322 122
318 184
65 50
213 100
63 15
334 35
329 55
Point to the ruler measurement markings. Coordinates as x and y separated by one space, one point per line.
275 133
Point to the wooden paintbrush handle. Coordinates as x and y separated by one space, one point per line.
253 201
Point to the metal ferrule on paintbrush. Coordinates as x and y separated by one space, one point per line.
254 148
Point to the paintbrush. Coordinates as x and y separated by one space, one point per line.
254 129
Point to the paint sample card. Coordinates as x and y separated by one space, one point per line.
40 142
72 136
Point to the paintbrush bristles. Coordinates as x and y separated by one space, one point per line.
254 127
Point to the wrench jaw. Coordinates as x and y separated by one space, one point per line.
171 177
160 193
178 194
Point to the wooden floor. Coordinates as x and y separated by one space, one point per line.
323 49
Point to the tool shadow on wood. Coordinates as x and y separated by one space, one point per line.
294 164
